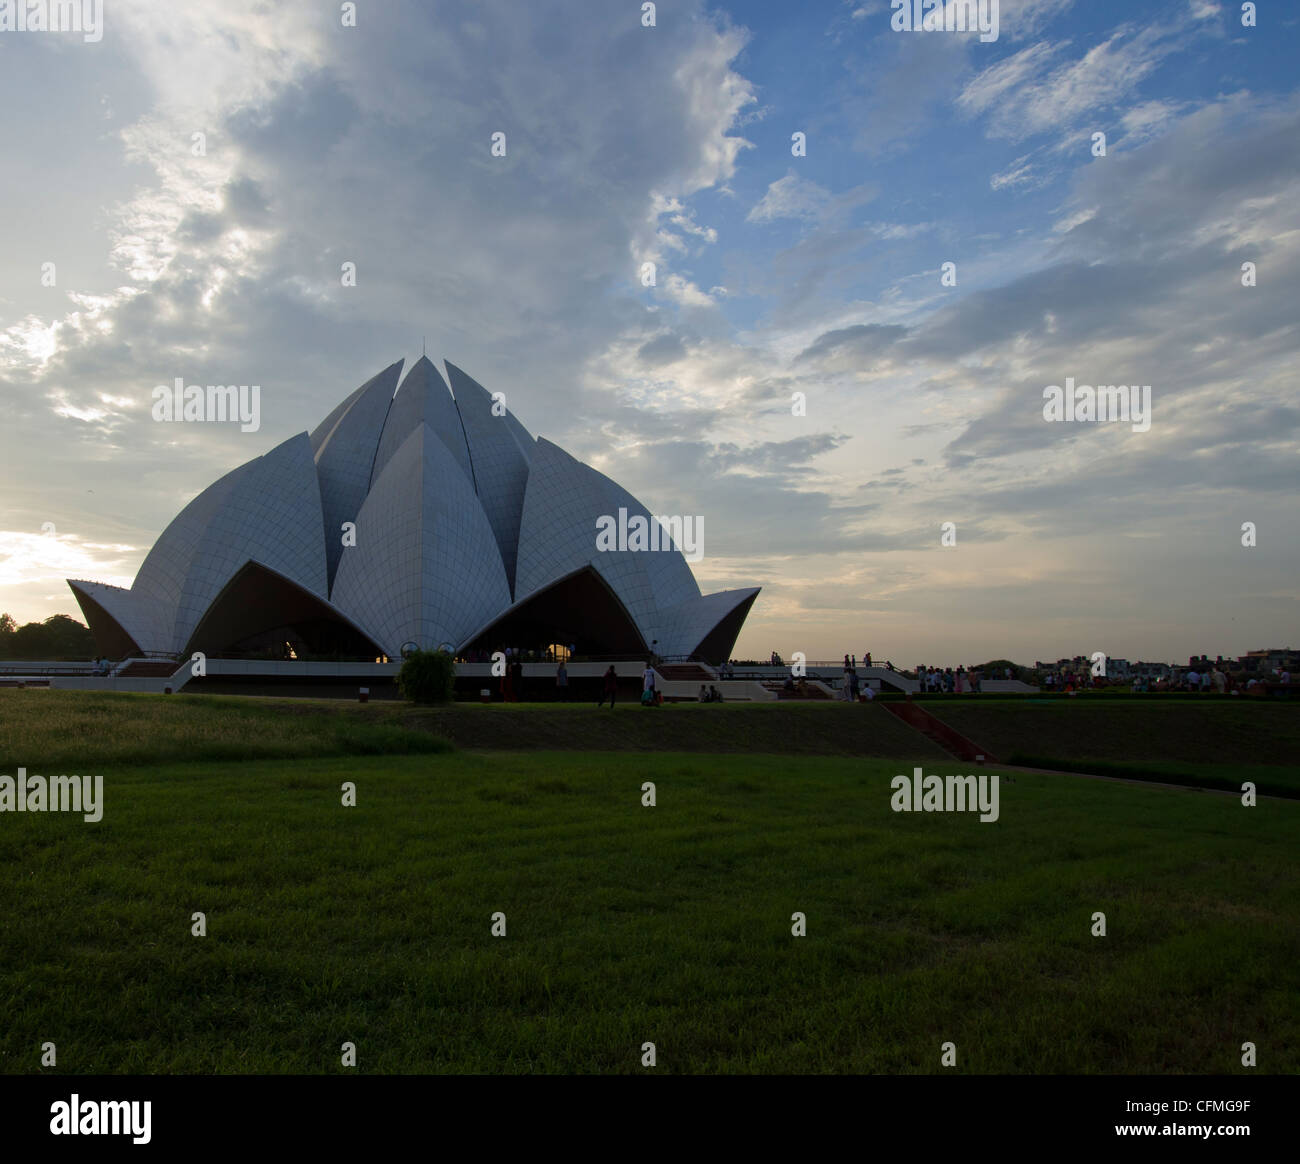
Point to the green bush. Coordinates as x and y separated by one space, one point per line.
996 669
427 677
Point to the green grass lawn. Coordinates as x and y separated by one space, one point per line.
628 924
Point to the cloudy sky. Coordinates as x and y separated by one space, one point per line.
775 274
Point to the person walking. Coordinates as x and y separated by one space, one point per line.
562 682
609 688
648 686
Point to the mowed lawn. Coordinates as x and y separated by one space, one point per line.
627 924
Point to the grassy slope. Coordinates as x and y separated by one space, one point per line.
45 730
1216 743
75 731
627 924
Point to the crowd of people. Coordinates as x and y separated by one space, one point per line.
852 690
936 680
1211 678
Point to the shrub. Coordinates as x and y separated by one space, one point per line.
996 669
427 677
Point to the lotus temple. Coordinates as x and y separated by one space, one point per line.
418 514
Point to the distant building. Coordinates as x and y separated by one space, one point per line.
1274 659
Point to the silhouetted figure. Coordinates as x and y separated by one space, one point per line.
609 688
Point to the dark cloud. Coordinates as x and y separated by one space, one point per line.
664 349
863 339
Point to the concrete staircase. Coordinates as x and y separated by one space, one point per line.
152 675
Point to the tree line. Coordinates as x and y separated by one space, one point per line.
58 637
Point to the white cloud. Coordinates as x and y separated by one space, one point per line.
1019 173
1147 120
685 293
989 87
1026 95
325 146
1022 19
790 197
36 559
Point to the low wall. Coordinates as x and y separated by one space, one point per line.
731 690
